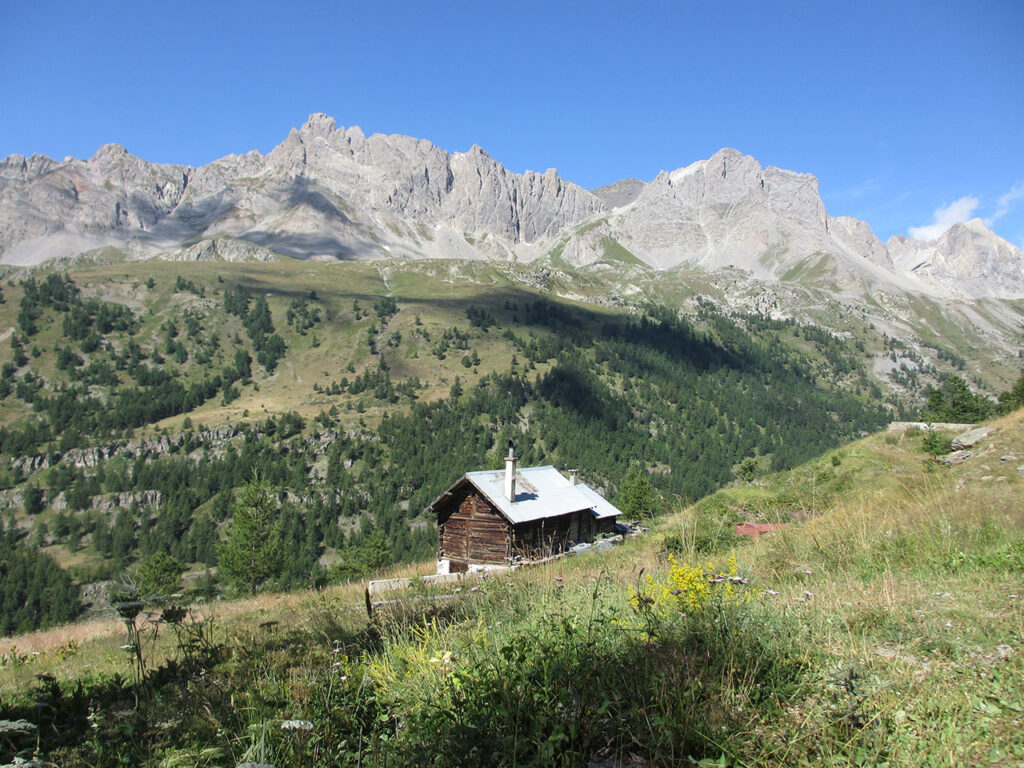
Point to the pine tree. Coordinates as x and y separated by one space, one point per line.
159 575
1014 398
637 498
34 500
253 551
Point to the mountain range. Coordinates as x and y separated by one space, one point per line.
326 193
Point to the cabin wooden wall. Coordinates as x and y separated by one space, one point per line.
473 532
551 535
470 530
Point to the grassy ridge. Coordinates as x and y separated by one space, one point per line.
883 626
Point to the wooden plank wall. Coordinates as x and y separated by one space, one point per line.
552 535
470 530
474 532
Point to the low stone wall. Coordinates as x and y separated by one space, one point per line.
378 587
906 426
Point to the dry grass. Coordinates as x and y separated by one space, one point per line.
908 577
48 641
96 645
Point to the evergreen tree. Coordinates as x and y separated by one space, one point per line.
637 498
1014 398
747 469
159 574
33 500
34 590
253 551
956 403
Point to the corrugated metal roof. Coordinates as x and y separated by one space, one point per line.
540 492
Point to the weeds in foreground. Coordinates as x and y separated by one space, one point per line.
548 670
552 679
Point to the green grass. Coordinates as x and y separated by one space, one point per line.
809 270
884 626
614 251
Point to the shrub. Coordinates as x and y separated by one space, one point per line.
689 590
936 443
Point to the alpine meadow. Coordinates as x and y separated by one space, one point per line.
232 396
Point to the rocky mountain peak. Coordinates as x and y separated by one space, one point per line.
331 192
319 124
968 258
977 226
108 152
622 192
723 211
728 159
476 152
23 168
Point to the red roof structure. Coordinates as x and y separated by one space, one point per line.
754 530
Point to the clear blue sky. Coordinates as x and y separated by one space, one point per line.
899 108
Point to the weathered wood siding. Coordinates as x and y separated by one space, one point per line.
551 535
470 530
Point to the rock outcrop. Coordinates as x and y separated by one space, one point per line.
969 258
971 438
334 193
725 211
322 193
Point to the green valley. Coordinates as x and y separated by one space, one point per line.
139 398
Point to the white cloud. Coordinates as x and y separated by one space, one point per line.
956 212
1005 203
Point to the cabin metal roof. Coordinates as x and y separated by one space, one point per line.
541 492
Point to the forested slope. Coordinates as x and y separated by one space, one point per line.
135 403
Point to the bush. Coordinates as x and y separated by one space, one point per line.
936 444
690 590
160 575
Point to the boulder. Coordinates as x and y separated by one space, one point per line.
971 437
957 457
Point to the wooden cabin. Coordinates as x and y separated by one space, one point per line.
493 519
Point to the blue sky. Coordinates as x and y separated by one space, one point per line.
911 114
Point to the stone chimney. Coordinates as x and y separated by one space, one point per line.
510 472
574 477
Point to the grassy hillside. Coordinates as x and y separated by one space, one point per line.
135 399
884 625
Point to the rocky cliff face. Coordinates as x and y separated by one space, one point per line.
329 193
322 193
728 211
969 258
50 209
725 211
